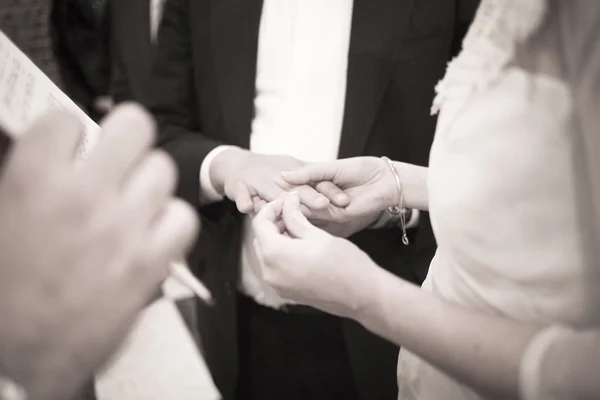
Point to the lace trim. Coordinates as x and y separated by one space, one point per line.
499 26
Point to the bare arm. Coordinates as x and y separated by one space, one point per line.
473 347
469 346
535 362
414 185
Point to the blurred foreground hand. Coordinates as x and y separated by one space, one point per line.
83 246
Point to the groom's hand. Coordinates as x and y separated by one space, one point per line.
252 180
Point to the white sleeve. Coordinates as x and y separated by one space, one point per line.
208 193
413 222
561 364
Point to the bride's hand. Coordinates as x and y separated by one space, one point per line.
367 181
307 265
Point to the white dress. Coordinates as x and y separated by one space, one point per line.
503 197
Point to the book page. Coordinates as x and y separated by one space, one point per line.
26 93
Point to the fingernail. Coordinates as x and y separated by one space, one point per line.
321 200
341 197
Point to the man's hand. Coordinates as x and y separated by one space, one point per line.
83 246
252 180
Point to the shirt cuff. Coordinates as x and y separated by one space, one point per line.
413 222
208 193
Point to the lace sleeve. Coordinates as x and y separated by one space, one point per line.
499 26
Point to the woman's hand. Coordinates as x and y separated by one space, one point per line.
367 181
307 265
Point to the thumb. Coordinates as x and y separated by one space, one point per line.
265 225
311 173
295 222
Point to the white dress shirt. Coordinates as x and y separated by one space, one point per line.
156 10
299 104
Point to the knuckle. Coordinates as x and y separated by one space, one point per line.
308 192
324 186
272 193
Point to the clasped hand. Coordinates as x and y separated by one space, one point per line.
83 247
306 264
341 197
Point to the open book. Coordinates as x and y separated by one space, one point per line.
26 93
159 360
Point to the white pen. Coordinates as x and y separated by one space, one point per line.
183 275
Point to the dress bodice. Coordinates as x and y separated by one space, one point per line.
503 205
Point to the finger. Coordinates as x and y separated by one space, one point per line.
280 226
295 222
258 204
151 185
128 133
169 238
52 141
305 211
336 196
311 198
311 173
270 192
265 223
243 198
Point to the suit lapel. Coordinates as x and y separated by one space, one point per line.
377 30
234 33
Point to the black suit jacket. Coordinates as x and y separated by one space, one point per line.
201 92
131 49
80 33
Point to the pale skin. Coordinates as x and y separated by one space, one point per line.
252 180
84 247
307 265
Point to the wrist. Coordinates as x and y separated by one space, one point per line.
383 286
391 195
413 180
223 165
363 291
367 297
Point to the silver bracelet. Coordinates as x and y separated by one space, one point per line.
399 209
10 390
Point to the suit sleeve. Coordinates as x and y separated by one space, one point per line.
466 10
171 97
